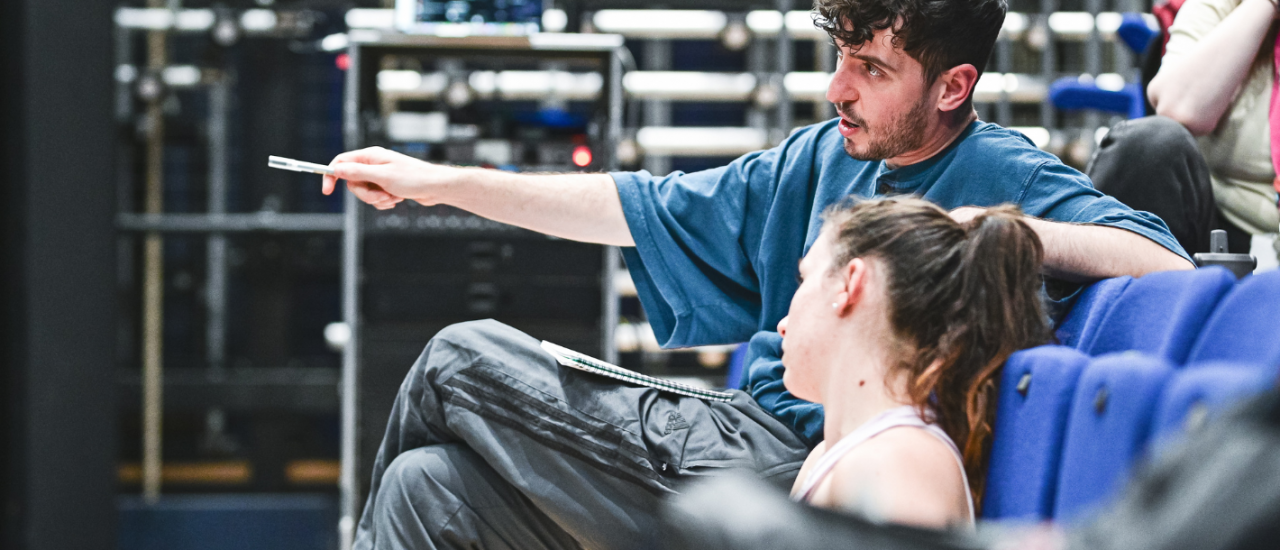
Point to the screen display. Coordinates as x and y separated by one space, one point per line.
478 11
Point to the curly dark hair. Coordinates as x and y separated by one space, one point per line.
940 34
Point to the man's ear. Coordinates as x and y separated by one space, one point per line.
854 277
957 83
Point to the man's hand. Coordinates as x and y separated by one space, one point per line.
384 178
1078 252
965 214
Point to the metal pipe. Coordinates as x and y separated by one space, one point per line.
612 256
153 281
348 483
1048 60
785 55
1093 61
825 54
230 223
216 243
757 65
657 112
1004 64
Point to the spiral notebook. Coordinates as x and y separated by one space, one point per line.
573 359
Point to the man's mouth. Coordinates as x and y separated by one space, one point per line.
848 128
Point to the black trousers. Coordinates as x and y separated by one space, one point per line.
1152 164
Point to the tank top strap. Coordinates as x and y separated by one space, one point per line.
905 416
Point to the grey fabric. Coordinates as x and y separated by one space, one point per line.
1153 164
491 444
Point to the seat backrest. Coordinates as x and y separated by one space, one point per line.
1107 430
1080 326
1202 390
1162 313
737 370
1245 327
1036 389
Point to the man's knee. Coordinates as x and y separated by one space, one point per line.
461 346
415 477
475 335
408 472
1152 139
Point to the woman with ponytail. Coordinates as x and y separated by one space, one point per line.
902 321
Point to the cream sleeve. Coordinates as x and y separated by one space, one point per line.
1195 20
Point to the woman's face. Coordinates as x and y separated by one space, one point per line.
811 324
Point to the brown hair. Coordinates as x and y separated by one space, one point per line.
961 296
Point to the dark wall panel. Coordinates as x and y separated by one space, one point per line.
59 267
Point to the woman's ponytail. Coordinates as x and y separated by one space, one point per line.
1000 311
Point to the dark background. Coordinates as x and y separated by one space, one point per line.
57 337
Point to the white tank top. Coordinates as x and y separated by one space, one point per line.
892 418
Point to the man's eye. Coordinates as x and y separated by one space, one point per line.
873 70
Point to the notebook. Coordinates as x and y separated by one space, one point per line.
573 359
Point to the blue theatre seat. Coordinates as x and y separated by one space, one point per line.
1246 325
1080 326
737 368
1107 430
1036 390
1160 314
1202 390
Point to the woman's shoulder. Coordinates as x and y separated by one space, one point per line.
907 450
904 474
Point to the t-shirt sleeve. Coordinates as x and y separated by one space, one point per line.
691 269
1195 19
1064 194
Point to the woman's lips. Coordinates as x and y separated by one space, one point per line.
847 129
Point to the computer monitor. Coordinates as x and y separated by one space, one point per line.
469 17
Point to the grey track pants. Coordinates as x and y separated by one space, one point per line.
491 444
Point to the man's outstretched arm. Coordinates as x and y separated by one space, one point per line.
1081 253
579 207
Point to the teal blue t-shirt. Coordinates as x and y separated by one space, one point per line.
716 252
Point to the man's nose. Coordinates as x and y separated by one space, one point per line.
841 89
782 327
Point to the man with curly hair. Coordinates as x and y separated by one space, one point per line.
491 445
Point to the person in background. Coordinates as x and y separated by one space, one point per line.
1208 160
899 329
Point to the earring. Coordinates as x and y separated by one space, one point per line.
835 305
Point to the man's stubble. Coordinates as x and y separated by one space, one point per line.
903 134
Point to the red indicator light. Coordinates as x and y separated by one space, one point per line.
343 61
581 156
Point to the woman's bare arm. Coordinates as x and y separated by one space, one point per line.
1197 88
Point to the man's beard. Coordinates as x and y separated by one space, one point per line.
903 134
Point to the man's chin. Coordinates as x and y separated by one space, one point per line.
859 153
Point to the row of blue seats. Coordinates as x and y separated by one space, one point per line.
1139 361
1180 316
